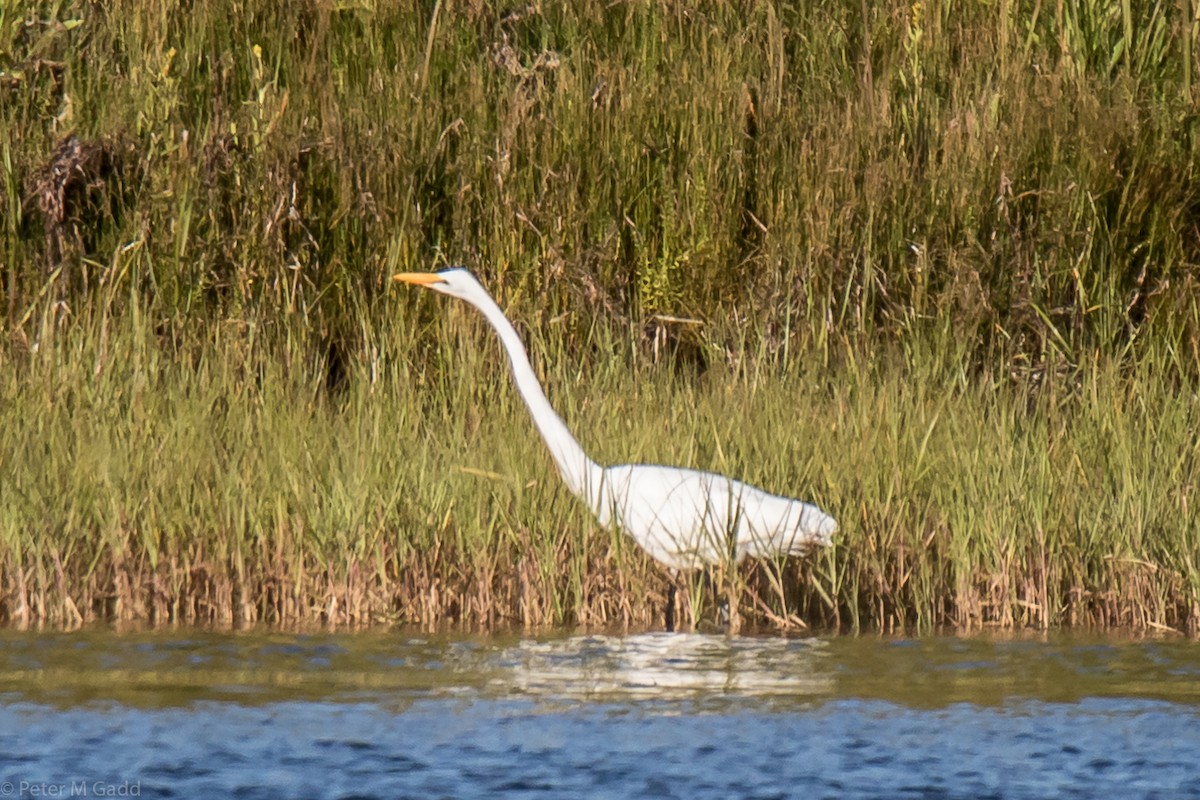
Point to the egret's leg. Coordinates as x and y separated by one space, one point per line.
724 590
671 604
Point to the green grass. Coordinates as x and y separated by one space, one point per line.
944 261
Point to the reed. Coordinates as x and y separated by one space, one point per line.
935 266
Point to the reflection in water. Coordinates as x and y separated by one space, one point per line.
665 666
164 669
686 716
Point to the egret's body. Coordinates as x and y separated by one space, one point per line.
683 518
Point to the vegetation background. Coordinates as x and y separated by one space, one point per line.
932 265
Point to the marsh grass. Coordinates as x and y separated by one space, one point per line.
933 269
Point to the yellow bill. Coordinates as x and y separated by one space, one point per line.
419 278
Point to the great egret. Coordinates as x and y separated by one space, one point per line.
683 518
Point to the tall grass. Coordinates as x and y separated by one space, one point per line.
936 267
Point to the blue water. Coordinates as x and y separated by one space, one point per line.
374 716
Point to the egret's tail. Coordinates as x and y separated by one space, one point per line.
823 526
802 528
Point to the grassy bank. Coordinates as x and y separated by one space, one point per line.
942 264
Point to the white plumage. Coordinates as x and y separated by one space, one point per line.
683 518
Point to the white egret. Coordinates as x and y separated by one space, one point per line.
683 518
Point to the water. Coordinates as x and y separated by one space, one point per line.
656 715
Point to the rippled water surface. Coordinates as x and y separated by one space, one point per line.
654 715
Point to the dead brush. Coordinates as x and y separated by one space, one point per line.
74 190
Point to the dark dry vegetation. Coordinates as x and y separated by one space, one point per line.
936 265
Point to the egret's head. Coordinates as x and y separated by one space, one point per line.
455 281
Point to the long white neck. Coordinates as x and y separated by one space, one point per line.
582 475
